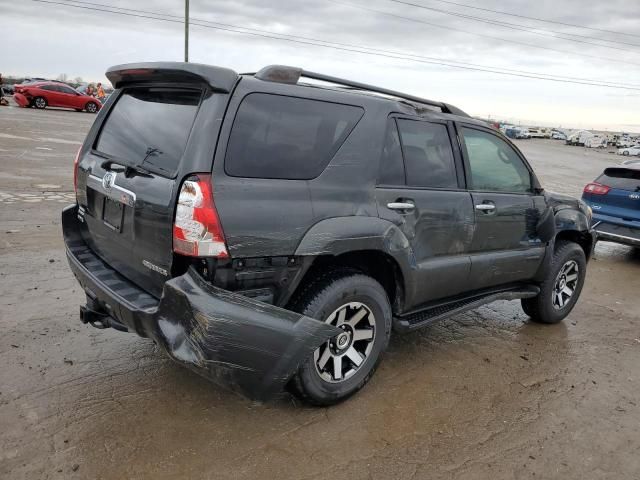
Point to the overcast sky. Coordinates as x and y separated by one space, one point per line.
41 39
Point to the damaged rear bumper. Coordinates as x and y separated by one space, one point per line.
237 342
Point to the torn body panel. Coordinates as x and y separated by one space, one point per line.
235 341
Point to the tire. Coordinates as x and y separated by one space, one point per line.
40 102
625 153
91 107
553 303
362 299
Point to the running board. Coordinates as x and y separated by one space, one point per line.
419 319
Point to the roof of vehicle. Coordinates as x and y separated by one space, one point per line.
224 79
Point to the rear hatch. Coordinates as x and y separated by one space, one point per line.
132 165
622 200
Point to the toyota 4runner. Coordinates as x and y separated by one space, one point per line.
271 230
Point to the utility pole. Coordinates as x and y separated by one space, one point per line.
186 30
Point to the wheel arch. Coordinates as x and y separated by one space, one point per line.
574 226
373 246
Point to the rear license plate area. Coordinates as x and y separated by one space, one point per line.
112 214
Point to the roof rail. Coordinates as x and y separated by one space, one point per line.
291 75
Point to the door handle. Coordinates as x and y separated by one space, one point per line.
486 207
406 206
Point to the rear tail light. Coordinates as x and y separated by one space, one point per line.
596 189
197 231
75 171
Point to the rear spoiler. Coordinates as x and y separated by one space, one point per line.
221 79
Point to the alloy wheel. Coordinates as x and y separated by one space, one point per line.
342 356
565 284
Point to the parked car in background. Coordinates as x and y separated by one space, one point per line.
596 141
54 94
629 151
626 141
579 137
271 234
557 135
614 198
535 132
522 132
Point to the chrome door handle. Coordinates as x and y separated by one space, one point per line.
486 207
401 206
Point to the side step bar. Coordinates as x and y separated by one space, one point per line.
421 318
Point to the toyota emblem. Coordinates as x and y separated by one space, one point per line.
108 180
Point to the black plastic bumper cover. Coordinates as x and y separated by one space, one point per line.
250 346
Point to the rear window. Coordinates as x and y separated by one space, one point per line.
621 178
150 127
274 136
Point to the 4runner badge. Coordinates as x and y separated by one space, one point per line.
155 268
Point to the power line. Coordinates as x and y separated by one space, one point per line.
524 28
355 49
502 39
537 19
350 45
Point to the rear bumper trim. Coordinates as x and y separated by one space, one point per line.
249 346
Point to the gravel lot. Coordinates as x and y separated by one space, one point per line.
484 395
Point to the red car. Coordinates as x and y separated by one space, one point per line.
54 94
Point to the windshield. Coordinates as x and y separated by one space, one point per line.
150 126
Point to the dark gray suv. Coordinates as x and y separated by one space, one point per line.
271 230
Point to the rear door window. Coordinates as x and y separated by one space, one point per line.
275 136
428 156
150 126
621 178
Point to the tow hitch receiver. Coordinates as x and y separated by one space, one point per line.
99 320
93 318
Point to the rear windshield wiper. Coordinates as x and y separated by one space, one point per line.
129 170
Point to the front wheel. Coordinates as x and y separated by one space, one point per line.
625 153
560 291
40 102
91 107
359 306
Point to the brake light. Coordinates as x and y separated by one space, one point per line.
596 189
75 171
197 231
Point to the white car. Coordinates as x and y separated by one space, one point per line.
634 150
558 136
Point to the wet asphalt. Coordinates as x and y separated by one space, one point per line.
484 395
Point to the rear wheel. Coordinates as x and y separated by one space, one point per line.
91 107
625 153
560 291
40 102
357 305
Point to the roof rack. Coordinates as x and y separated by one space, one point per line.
291 75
